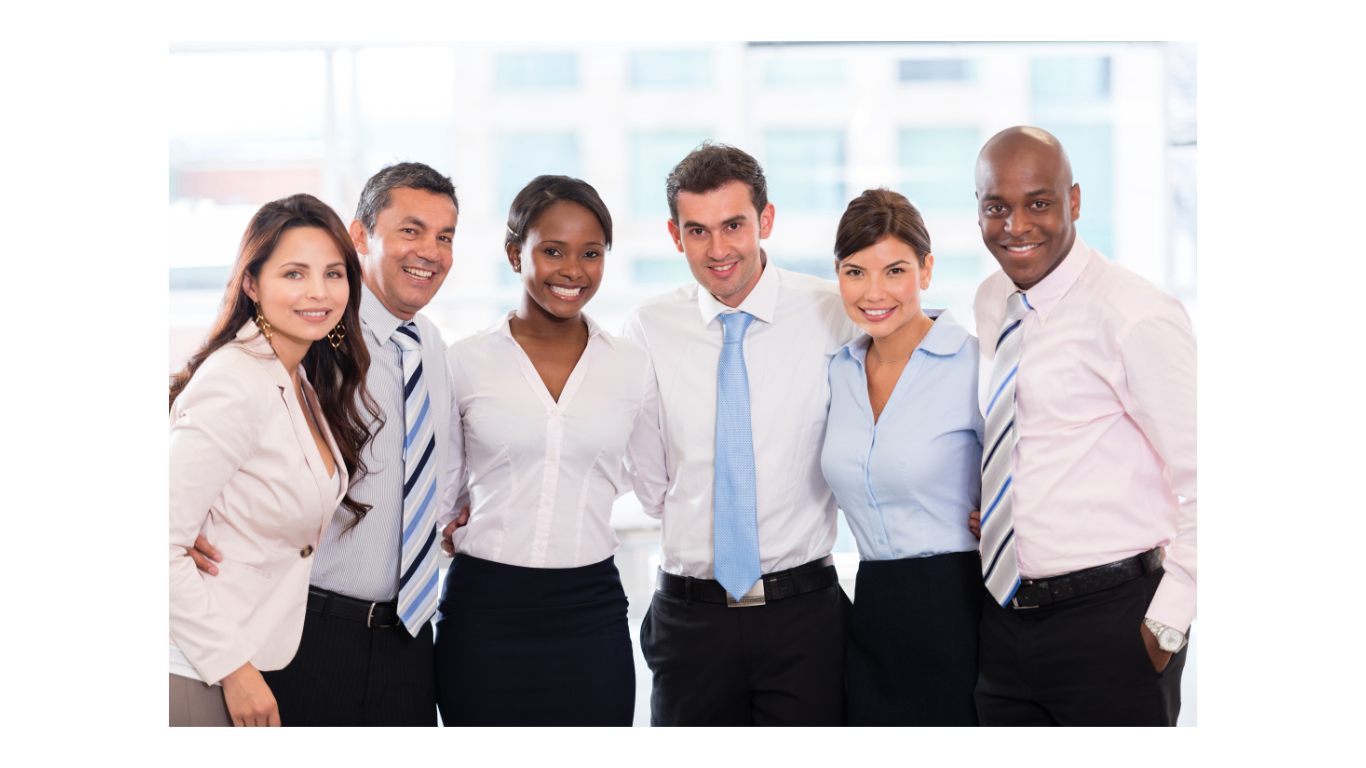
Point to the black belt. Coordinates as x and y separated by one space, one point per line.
817 574
373 614
1036 592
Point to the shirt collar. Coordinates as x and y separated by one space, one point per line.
504 328
761 302
374 316
1046 294
944 338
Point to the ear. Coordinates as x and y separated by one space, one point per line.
514 258
676 234
1074 201
926 271
249 287
766 221
359 238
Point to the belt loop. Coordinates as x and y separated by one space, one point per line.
327 605
687 589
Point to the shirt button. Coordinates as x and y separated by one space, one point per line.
306 551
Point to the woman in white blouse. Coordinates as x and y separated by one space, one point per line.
265 431
551 408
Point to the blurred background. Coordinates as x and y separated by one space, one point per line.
250 123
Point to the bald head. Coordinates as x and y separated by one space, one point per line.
1026 202
1024 145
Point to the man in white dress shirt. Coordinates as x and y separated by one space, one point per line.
774 653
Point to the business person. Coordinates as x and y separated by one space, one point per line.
903 450
1087 384
549 408
366 653
266 430
747 624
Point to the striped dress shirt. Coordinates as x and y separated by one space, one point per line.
364 562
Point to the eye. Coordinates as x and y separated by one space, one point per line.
294 273
696 231
552 252
734 225
592 255
895 270
444 238
993 209
408 231
851 272
336 273
1039 205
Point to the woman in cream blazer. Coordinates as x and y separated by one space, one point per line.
260 460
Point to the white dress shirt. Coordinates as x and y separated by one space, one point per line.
799 324
542 475
1105 409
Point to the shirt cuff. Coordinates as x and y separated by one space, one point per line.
1174 604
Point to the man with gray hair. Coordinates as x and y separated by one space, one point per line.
366 655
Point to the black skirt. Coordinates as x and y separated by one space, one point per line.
912 654
533 646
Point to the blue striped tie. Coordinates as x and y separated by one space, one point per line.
417 592
1000 568
735 518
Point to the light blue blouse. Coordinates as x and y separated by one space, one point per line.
907 483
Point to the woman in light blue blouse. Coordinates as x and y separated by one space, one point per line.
903 454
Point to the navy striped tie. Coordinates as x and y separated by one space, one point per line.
417 592
1000 568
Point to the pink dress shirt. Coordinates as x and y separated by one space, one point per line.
1105 405
246 472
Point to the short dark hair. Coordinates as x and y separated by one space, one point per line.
876 215
545 191
375 197
711 166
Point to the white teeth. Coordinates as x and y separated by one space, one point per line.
726 268
313 314
420 273
1021 248
567 292
876 312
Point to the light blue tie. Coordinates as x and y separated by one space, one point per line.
417 592
735 519
1000 567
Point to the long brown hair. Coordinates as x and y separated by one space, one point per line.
337 375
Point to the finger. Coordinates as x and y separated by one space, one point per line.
202 563
274 720
202 544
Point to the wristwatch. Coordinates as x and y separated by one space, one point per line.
1168 639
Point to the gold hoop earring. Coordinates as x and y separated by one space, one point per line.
336 335
263 323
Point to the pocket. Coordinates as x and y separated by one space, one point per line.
234 565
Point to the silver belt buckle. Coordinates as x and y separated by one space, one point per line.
755 596
1015 601
369 615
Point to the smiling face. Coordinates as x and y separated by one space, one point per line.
1026 205
407 255
561 261
881 286
302 288
719 233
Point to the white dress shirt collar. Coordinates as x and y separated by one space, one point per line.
761 302
376 317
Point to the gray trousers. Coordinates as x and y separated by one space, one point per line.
197 704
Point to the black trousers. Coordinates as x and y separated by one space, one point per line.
534 646
346 674
912 658
781 663
1077 662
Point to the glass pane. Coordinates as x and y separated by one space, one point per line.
804 73
921 70
956 269
537 70
662 271
670 69
937 167
524 156
805 170
1070 81
653 155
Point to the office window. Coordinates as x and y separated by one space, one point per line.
956 268
805 170
653 155
1070 98
515 71
1069 81
661 270
670 69
1091 149
937 166
932 70
524 156
383 79
804 73
815 265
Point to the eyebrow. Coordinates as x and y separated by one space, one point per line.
306 266
561 242
415 220
738 217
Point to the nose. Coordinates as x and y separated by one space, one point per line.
875 288
1017 223
317 286
571 268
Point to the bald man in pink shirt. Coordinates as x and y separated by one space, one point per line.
1087 383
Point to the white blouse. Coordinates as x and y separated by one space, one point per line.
542 475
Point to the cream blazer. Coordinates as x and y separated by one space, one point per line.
245 472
